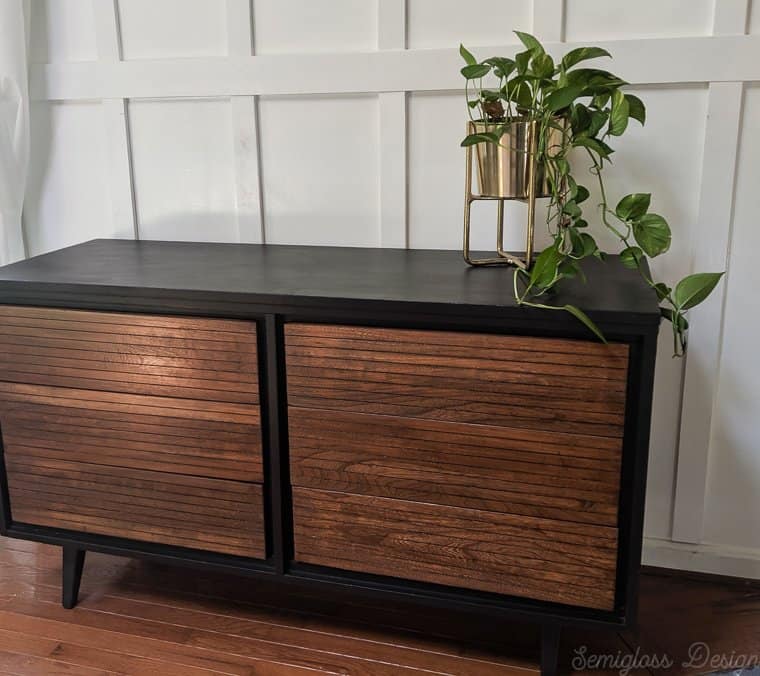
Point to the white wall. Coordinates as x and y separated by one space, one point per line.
153 119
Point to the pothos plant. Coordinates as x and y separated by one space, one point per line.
586 108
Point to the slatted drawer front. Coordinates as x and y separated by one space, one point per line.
542 559
136 426
514 381
158 433
206 359
174 509
475 426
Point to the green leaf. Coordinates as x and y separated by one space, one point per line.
581 195
544 270
583 244
636 108
571 209
652 233
486 137
662 290
594 81
583 317
543 66
580 223
561 98
530 42
633 206
469 59
582 54
475 71
598 120
631 256
569 269
517 90
619 114
580 119
521 61
600 100
595 145
502 67
692 290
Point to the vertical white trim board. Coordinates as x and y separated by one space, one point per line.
245 131
116 123
391 34
712 245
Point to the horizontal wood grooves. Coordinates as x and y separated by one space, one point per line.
55 423
135 426
207 359
541 384
187 511
499 469
541 559
490 462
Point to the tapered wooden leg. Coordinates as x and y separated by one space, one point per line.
73 563
549 649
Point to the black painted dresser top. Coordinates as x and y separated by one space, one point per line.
311 277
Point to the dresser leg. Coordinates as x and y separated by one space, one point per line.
73 563
549 649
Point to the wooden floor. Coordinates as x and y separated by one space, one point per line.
144 618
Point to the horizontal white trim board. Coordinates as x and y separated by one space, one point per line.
702 558
641 61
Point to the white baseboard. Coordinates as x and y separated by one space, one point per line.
702 558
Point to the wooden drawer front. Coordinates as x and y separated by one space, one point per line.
187 511
545 474
540 559
208 359
184 436
541 384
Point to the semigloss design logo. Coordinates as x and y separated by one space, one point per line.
699 656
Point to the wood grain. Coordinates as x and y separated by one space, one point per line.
534 383
210 359
105 429
483 467
176 509
522 556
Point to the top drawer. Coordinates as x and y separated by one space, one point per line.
546 384
207 359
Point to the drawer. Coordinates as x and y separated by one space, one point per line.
512 470
543 559
183 436
545 384
173 509
192 358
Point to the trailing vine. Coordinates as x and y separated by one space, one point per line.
585 108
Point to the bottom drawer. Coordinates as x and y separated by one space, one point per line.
542 559
174 509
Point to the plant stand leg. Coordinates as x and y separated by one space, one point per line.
73 563
549 649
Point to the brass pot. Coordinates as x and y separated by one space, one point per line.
504 169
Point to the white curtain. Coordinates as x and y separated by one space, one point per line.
14 126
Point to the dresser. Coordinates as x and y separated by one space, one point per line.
360 422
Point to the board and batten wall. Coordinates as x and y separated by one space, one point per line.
338 122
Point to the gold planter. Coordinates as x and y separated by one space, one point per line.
503 171
507 171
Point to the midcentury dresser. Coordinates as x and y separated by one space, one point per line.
366 422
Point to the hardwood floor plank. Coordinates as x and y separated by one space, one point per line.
30 665
77 655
